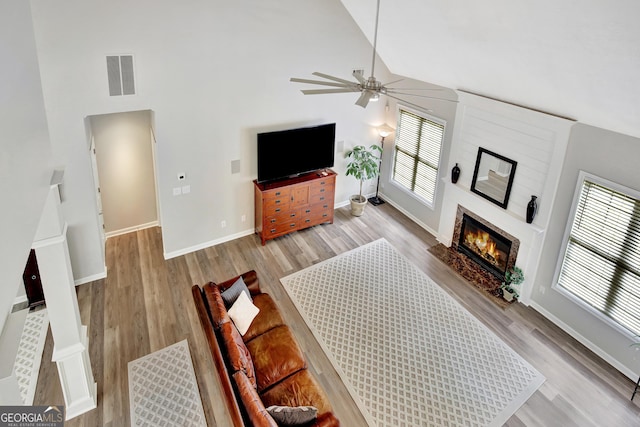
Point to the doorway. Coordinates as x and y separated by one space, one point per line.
123 158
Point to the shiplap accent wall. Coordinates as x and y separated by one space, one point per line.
537 141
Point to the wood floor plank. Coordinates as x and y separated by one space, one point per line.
145 304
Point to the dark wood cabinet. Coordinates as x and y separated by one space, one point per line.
288 205
32 282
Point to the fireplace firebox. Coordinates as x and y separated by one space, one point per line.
483 245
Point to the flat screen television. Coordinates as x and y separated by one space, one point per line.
287 153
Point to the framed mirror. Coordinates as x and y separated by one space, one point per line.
493 177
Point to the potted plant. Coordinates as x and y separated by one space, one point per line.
513 276
364 164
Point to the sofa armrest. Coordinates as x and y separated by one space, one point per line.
250 279
223 375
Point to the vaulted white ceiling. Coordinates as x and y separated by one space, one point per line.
579 59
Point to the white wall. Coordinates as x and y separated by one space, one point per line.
25 169
615 157
124 156
214 74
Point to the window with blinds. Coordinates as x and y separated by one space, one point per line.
601 265
417 154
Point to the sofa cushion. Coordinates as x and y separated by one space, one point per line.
238 355
231 294
300 389
276 355
268 318
242 312
217 308
253 406
293 415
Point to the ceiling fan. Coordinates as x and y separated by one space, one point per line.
370 89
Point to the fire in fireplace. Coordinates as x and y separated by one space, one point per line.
484 246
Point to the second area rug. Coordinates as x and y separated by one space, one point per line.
408 352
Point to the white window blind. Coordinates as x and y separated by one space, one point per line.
601 264
417 154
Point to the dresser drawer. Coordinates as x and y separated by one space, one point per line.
321 198
284 227
275 203
317 189
278 193
282 217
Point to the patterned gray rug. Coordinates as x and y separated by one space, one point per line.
29 357
163 390
408 352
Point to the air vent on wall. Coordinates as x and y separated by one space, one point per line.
120 75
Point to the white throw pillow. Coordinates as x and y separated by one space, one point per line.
242 312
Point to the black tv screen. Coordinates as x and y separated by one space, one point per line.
292 152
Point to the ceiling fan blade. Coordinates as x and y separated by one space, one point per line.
411 88
335 79
320 82
419 96
411 104
364 98
322 91
390 83
358 75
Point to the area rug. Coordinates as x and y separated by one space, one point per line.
29 356
163 390
408 352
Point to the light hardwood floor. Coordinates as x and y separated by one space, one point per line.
145 304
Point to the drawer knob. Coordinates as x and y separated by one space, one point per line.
273 230
292 224
278 193
278 210
307 211
322 198
273 220
293 215
307 220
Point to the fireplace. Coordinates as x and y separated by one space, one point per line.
490 247
487 248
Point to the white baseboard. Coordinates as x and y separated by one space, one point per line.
584 341
92 278
173 254
131 229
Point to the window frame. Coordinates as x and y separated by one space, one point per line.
424 115
630 192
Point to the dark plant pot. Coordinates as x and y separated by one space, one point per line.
532 209
455 173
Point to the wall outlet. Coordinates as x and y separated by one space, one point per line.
223 223
186 189
177 191
243 218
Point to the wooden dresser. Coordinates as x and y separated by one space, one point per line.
292 204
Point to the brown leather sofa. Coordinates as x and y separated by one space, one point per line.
264 367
